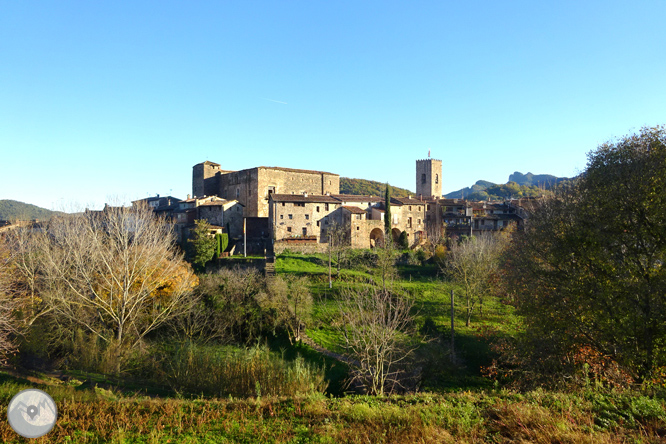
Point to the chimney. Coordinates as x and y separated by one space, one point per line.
188 197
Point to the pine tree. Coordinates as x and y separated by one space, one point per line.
387 214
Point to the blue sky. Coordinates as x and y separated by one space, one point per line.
107 100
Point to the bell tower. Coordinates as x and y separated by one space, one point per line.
429 178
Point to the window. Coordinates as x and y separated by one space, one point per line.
291 216
358 217
428 207
419 222
307 217
281 216
409 222
318 223
305 231
326 207
358 228
410 208
299 204
237 193
289 229
423 178
317 209
283 204
436 178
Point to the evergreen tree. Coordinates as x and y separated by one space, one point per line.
387 214
202 245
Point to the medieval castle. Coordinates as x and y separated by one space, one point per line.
281 208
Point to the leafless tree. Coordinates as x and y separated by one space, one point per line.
385 268
378 330
117 273
340 243
473 262
8 304
292 299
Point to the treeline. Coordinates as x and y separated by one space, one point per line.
369 188
14 210
588 276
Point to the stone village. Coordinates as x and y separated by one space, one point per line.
269 209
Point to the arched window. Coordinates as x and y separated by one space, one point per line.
436 178
423 178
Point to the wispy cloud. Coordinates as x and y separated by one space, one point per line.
276 101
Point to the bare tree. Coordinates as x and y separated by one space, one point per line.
340 243
116 272
8 304
292 299
378 329
385 267
473 262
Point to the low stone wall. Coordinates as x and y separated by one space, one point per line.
301 247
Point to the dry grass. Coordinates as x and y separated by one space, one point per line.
499 417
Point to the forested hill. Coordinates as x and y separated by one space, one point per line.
370 188
15 210
519 185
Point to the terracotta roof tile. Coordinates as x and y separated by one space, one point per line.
354 210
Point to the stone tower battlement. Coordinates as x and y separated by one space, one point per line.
429 178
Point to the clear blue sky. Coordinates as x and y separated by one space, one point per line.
102 99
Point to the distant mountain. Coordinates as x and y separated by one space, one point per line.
15 210
546 181
519 185
370 188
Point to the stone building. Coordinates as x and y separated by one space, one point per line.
296 208
304 220
252 187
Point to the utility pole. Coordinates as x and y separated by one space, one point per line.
330 280
453 353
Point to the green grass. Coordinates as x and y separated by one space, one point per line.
431 294
86 416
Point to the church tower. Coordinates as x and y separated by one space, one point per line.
429 178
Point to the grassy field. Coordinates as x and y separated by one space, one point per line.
107 416
456 403
432 307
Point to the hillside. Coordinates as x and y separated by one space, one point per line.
370 188
518 185
15 210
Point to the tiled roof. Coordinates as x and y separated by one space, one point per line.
294 170
406 201
451 202
354 210
357 198
302 198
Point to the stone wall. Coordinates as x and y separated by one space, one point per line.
306 248
290 219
